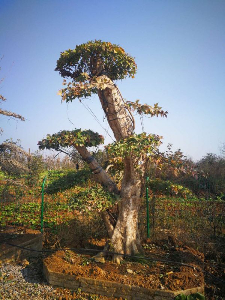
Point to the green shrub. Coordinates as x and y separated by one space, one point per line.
167 188
35 167
92 198
61 180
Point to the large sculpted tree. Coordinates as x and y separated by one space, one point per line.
92 68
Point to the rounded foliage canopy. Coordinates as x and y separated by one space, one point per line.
95 58
66 138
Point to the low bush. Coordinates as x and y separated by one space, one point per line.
61 180
93 198
167 188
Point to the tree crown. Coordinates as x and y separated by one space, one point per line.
95 58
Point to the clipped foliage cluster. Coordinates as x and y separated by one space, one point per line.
66 138
75 90
139 146
145 109
87 63
168 188
116 63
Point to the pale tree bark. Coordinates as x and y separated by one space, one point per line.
104 179
119 117
108 223
125 238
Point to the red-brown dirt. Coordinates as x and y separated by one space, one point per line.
164 265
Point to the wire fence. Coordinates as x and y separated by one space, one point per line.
52 214
190 220
194 220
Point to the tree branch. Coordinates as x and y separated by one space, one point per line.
11 114
100 174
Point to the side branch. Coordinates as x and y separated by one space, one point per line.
100 174
145 109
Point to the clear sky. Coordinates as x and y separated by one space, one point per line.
179 47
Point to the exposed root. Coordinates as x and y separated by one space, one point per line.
117 258
101 256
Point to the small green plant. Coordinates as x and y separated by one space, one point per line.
196 296
85 261
68 256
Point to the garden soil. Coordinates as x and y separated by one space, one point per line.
166 264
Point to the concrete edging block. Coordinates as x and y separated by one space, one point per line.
12 253
110 288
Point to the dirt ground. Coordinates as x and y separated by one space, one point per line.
163 265
20 234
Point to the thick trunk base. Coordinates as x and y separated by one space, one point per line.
125 239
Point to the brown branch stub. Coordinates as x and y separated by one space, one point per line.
11 114
2 98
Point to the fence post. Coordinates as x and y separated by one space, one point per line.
42 203
147 208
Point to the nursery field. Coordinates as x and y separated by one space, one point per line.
191 219
67 209
73 195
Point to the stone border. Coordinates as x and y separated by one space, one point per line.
10 253
111 289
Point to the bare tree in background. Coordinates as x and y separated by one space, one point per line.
6 112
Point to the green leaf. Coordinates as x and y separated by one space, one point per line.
190 297
180 297
199 296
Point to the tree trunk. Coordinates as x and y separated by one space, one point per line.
125 238
119 117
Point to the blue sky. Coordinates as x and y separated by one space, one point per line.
179 47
